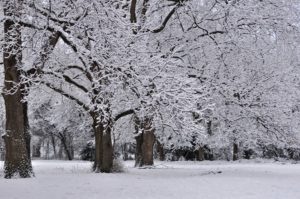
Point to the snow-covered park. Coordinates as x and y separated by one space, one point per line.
210 88
177 180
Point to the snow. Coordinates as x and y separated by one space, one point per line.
191 180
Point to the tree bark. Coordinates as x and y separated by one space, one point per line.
235 155
63 140
139 151
26 131
17 141
107 159
209 128
144 145
98 133
60 151
47 154
200 154
53 145
36 152
103 147
125 152
160 151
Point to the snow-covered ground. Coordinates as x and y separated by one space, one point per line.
168 180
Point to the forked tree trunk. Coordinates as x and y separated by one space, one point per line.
144 145
17 141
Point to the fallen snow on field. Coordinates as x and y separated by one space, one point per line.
167 180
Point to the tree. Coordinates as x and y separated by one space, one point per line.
230 48
17 158
100 72
58 120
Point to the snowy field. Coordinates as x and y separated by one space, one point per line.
168 180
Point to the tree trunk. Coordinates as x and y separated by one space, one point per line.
98 133
139 151
107 159
144 145
160 151
200 154
36 152
17 141
209 128
26 131
103 147
47 154
53 145
235 152
70 144
60 151
125 152
148 142
65 145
